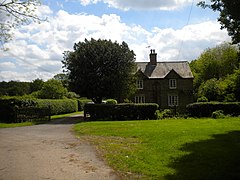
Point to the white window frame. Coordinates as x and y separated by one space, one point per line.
140 99
139 84
173 100
172 83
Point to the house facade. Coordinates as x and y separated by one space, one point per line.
169 84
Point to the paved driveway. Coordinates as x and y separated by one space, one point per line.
49 151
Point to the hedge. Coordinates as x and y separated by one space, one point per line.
58 106
121 111
82 102
205 109
9 108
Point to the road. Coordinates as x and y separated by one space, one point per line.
49 151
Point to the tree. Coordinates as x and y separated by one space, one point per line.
100 69
229 16
14 13
213 73
63 78
52 89
36 85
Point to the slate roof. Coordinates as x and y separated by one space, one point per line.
162 69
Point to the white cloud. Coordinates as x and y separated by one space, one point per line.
38 48
141 4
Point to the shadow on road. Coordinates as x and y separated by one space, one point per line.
68 120
217 158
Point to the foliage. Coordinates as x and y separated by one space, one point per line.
36 85
11 106
14 88
171 149
215 73
218 114
82 102
166 113
100 69
58 106
63 78
121 111
52 89
229 16
205 109
202 99
111 101
14 13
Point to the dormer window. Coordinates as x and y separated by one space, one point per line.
172 83
139 84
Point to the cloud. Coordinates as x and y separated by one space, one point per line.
141 4
37 49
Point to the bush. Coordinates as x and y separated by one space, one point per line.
202 99
218 114
111 101
205 109
121 111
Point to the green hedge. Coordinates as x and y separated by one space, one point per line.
121 111
58 106
9 107
82 102
205 109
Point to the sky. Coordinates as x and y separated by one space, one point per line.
176 29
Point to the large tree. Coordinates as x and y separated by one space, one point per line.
101 69
14 13
229 17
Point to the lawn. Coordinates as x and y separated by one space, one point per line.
173 149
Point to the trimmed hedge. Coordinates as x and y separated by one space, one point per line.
9 107
121 111
58 106
205 109
82 102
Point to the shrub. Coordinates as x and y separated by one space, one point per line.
202 99
218 114
121 111
205 109
111 101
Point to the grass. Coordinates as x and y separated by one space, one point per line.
174 149
54 117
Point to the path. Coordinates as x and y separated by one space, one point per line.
49 151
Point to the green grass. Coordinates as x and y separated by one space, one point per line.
54 117
174 149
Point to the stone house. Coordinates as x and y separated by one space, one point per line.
169 84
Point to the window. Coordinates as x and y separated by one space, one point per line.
139 84
172 83
139 99
172 100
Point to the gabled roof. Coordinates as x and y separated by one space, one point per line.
162 69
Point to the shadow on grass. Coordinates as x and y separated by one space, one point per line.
214 159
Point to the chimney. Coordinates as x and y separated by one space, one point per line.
153 57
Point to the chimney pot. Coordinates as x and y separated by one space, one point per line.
153 57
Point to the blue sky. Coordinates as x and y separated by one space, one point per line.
36 50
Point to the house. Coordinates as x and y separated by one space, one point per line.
169 84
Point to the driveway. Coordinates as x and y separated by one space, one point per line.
49 151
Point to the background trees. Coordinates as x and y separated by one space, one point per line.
229 16
216 73
101 69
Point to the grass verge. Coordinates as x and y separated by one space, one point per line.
174 149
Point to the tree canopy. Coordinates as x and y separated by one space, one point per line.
216 73
229 17
14 13
101 69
